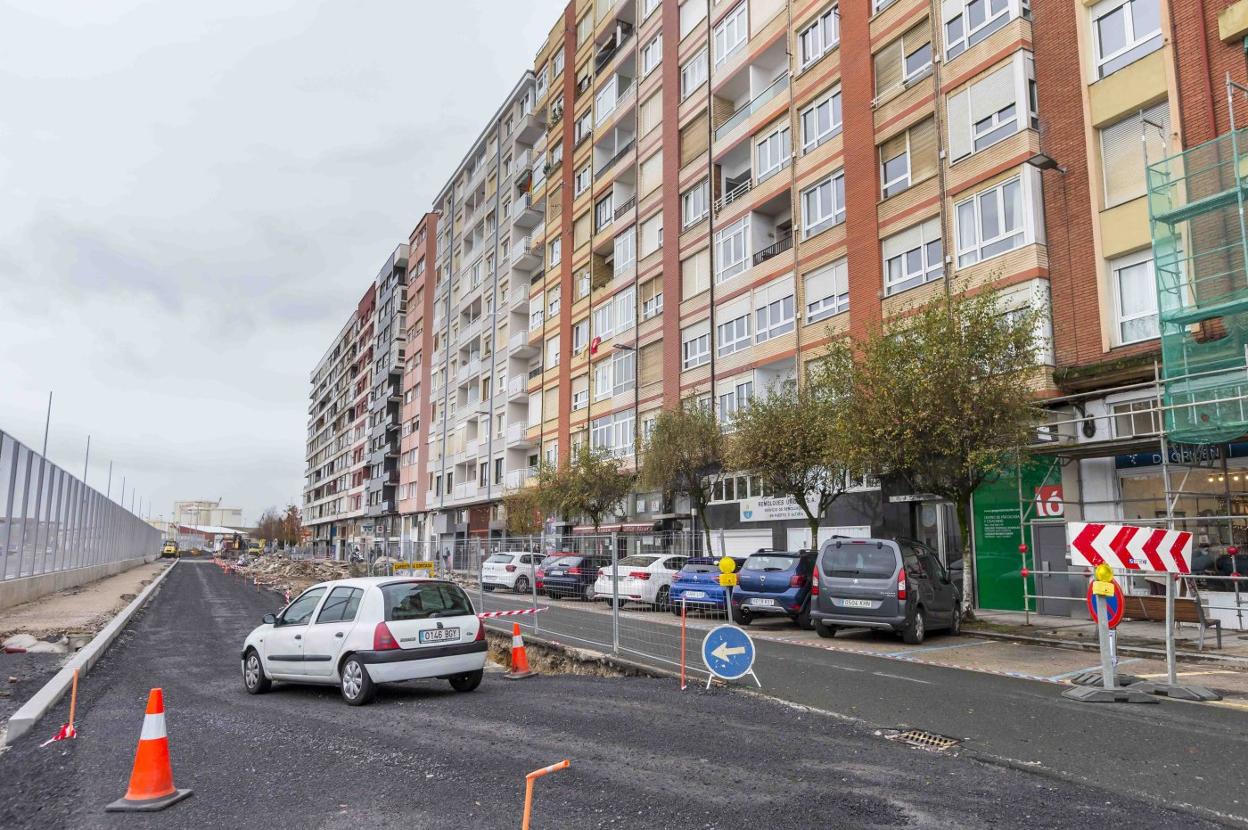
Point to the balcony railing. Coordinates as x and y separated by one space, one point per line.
779 246
618 38
607 165
735 191
779 84
628 205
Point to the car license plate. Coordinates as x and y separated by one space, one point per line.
439 635
762 602
555 573
695 594
856 603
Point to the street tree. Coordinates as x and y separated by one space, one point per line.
591 485
942 401
524 512
685 454
291 529
795 438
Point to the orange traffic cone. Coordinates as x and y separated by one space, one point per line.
519 659
151 781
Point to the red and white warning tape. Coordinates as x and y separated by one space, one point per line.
66 732
516 613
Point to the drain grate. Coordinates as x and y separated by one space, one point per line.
924 740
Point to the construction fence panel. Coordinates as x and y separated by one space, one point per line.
51 521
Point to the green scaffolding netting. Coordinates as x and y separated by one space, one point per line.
1196 204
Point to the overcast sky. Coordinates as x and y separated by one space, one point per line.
192 197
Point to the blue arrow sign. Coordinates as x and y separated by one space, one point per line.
728 652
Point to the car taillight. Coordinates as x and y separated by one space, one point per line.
814 584
541 574
901 584
574 571
480 631
510 569
797 581
383 640
639 575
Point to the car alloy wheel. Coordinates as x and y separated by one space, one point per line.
352 679
251 674
522 585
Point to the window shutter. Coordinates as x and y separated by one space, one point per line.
693 140
923 150
651 113
580 383
916 36
695 274
650 289
1122 157
581 230
650 174
650 231
692 13
651 366
993 93
892 148
899 243
550 403
888 67
958 114
828 280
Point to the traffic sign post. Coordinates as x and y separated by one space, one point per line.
728 653
1106 604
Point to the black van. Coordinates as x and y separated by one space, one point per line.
894 584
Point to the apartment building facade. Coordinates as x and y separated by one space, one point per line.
350 491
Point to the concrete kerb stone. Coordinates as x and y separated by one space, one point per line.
1123 650
24 719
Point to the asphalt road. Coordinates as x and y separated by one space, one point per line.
1172 751
643 753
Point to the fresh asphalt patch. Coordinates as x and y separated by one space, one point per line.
643 753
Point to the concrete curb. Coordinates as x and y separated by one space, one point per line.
24 719
1127 650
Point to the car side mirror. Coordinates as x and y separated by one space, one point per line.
269 619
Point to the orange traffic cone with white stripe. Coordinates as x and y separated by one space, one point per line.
519 659
151 781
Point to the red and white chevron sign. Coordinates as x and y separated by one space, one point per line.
1129 548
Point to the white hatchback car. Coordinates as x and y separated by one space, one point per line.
356 633
513 570
645 578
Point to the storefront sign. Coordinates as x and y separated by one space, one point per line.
1180 454
770 509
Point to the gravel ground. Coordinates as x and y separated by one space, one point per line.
643 754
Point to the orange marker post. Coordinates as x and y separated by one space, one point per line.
684 608
528 787
73 701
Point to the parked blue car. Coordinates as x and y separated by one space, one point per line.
774 582
697 583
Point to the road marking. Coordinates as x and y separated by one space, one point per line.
1234 704
924 649
1097 667
901 677
1191 673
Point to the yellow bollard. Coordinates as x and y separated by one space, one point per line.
528 787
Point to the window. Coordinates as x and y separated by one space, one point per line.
894 166
913 257
827 291
651 114
625 251
819 37
615 375
650 173
695 138
651 234
1135 418
821 120
583 283
998 220
652 54
880 5
734 335
1122 153
605 100
773 314
773 152
692 12
732 249
648 6
1135 296
584 126
908 158
651 298
423 600
730 33
584 27
625 303
695 274
614 433
552 308
693 74
693 203
340 606
300 611
580 336
550 453
541 83
992 108
967 22
556 250
604 211
731 402
904 60
1123 31
695 346
580 399
556 65
824 204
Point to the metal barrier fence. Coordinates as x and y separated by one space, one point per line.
51 521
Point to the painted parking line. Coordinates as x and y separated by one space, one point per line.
901 677
1056 677
924 649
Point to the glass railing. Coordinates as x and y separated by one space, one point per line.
777 86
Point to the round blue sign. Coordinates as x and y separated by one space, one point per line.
728 652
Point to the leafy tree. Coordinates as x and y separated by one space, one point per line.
554 490
269 525
590 485
685 454
944 402
291 531
796 440
524 512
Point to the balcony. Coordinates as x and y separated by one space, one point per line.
612 98
519 478
609 163
626 207
620 34
758 102
518 388
530 128
518 437
781 245
518 345
525 255
734 189
526 211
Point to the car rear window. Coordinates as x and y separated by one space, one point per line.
423 600
699 568
638 561
770 562
500 558
868 561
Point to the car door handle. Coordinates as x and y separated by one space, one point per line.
339 634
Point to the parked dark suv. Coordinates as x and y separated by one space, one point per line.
571 575
899 585
774 582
